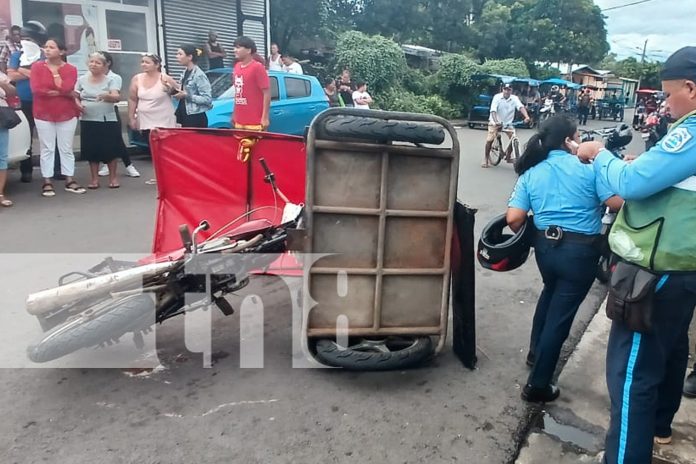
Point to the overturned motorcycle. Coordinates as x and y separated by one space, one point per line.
115 298
379 206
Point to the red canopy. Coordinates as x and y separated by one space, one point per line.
199 177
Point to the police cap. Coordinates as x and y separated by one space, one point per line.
681 65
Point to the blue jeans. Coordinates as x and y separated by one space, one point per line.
645 373
4 142
568 270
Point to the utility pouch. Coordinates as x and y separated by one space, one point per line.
631 295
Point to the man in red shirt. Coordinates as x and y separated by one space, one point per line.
252 96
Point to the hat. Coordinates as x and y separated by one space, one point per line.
507 86
681 65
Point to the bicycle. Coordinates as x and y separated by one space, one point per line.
497 151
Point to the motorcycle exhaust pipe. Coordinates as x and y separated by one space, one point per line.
50 300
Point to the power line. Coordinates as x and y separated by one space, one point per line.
626 5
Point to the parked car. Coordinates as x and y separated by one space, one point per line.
18 142
295 101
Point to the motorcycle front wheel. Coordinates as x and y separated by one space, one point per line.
94 327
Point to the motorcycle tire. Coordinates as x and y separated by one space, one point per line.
381 130
414 351
111 322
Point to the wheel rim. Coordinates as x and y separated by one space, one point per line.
384 345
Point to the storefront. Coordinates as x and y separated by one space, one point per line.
128 28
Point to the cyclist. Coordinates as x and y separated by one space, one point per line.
502 114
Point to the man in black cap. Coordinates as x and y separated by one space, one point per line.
653 232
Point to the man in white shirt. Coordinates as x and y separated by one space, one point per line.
292 66
362 99
503 108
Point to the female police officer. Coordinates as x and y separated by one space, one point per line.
566 200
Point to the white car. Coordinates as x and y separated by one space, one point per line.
19 142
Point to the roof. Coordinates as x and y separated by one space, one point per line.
420 50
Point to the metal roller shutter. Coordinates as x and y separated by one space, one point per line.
189 22
253 22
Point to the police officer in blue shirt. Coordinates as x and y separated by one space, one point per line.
566 199
654 231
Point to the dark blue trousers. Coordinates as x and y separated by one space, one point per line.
645 374
568 270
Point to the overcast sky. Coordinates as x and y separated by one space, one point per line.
667 24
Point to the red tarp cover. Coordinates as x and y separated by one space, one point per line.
199 177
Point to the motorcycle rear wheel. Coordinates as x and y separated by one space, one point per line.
133 313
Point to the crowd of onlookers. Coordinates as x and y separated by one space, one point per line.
36 76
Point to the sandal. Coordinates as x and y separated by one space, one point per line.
4 202
114 186
74 187
93 186
47 190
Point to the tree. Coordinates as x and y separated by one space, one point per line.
508 67
292 20
558 31
378 60
493 30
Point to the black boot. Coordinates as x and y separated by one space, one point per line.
690 385
540 395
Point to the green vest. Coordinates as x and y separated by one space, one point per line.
657 233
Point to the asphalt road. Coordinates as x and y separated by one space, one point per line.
185 413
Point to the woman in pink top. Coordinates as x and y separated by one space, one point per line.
150 102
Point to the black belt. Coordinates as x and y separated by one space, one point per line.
556 234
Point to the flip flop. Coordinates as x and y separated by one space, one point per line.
663 440
485 166
114 186
151 182
4 202
93 186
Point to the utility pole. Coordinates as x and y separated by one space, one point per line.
645 49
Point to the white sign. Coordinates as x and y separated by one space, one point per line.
114 45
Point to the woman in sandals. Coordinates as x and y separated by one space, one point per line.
6 90
100 131
55 112
150 100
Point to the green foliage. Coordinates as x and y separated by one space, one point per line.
378 60
400 99
456 71
544 72
558 31
647 72
508 67
493 31
418 81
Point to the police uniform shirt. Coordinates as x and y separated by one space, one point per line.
563 192
505 108
672 162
